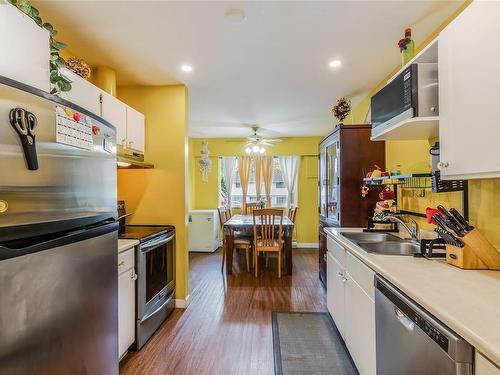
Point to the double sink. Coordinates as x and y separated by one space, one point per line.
382 243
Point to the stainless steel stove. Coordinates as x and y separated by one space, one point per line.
155 288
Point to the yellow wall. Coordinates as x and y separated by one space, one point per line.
413 156
206 195
160 195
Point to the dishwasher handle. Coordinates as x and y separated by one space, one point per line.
404 320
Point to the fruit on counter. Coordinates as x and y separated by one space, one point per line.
76 117
68 112
385 174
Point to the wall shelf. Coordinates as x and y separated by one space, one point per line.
405 181
411 129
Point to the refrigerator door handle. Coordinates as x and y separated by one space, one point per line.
18 248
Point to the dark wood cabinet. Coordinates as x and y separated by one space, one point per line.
344 156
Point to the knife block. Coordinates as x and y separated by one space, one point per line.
477 254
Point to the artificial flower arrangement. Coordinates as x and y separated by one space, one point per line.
342 109
406 47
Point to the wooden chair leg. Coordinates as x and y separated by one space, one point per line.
247 256
267 260
279 264
223 257
256 257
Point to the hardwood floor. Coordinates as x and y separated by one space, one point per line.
226 328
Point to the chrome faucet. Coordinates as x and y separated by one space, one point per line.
414 230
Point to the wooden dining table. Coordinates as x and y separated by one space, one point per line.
243 224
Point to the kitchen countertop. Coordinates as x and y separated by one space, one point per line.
467 301
126 244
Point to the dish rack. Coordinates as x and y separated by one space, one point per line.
423 181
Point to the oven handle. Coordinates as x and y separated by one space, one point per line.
153 245
155 311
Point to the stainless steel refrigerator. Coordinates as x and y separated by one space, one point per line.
58 237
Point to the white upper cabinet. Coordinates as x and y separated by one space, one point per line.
135 130
469 98
82 93
25 48
115 112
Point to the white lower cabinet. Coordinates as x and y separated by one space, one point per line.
126 301
484 367
335 291
359 323
350 301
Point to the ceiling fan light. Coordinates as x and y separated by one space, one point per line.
255 148
262 150
248 150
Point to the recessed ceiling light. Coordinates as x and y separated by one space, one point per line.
335 63
235 15
187 68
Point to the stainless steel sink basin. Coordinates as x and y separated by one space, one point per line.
369 236
382 243
390 247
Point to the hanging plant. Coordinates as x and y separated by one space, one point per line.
59 82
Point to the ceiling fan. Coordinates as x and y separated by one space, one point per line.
255 143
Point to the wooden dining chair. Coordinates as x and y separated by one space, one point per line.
250 207
292 212
268 234
238 243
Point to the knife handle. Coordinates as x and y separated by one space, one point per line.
461 219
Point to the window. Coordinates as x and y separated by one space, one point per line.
279 193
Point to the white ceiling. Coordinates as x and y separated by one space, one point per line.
271 69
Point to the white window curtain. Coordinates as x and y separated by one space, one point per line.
289 166
229 166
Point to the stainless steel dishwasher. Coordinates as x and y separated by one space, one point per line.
411 341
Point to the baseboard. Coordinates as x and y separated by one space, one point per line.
182 303
306 245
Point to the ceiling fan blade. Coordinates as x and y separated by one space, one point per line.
237 140
264 143
275 140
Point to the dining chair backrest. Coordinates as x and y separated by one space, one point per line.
292 212
250 207
223 215
229 212
267 226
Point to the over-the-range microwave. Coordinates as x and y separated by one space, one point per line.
412 93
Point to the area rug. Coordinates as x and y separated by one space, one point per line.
309 343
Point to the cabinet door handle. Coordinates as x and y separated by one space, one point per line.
340 274
130 143
133 276
122 263
324 257
124 142
443 164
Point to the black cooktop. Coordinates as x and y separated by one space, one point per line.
144 232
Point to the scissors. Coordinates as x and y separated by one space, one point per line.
25 123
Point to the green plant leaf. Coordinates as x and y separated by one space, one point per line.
13 2
38 20
25 6
54 76
34 12
58 45
54 56
60 62
49 28
65 79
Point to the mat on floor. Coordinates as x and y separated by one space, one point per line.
309 343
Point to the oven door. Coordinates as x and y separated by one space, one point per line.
156 271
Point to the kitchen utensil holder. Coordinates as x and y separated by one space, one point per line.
444 186
477 254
